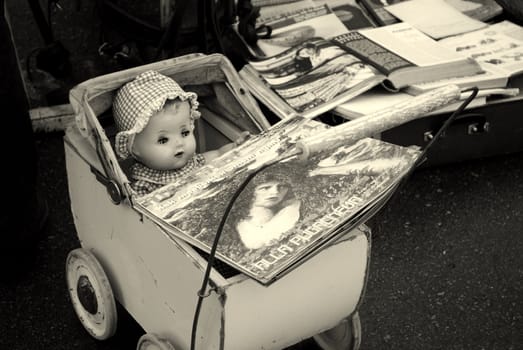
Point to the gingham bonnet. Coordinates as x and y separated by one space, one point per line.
138 100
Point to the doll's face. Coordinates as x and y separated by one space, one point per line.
167 142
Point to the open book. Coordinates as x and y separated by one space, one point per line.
318 74
498 49
405 55
290 209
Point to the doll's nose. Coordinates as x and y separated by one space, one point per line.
178 141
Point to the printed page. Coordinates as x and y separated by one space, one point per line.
411 44
314 76
508 28
435 18
491 48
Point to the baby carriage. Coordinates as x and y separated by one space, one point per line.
128 259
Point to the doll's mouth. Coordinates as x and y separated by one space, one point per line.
178 155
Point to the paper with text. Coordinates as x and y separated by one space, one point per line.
435 18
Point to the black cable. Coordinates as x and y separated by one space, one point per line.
210 260
447 123
421 156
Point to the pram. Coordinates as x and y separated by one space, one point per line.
126 258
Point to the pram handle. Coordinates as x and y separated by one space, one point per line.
379 121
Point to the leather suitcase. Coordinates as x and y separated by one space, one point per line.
493 129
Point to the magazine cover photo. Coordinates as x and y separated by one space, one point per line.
313 73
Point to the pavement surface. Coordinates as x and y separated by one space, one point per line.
446 264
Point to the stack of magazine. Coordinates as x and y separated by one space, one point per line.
290 208
312 63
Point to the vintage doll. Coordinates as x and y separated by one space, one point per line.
155 120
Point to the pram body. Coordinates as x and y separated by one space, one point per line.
126 258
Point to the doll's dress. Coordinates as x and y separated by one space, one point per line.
147 180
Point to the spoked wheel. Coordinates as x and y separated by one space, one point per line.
345 336
151 341
91 294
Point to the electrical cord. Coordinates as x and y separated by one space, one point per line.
421 157
446 124
212 254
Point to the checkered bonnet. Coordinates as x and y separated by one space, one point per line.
138 100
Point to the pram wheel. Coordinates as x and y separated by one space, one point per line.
151 341
345 336
91 294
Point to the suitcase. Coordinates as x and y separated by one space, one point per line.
493 129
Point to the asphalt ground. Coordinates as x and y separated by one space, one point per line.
446 264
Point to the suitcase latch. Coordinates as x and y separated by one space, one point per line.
476 128
474 123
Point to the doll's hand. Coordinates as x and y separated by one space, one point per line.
244 136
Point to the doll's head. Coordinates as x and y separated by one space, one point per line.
155 121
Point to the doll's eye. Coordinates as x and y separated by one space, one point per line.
162 140
186 133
